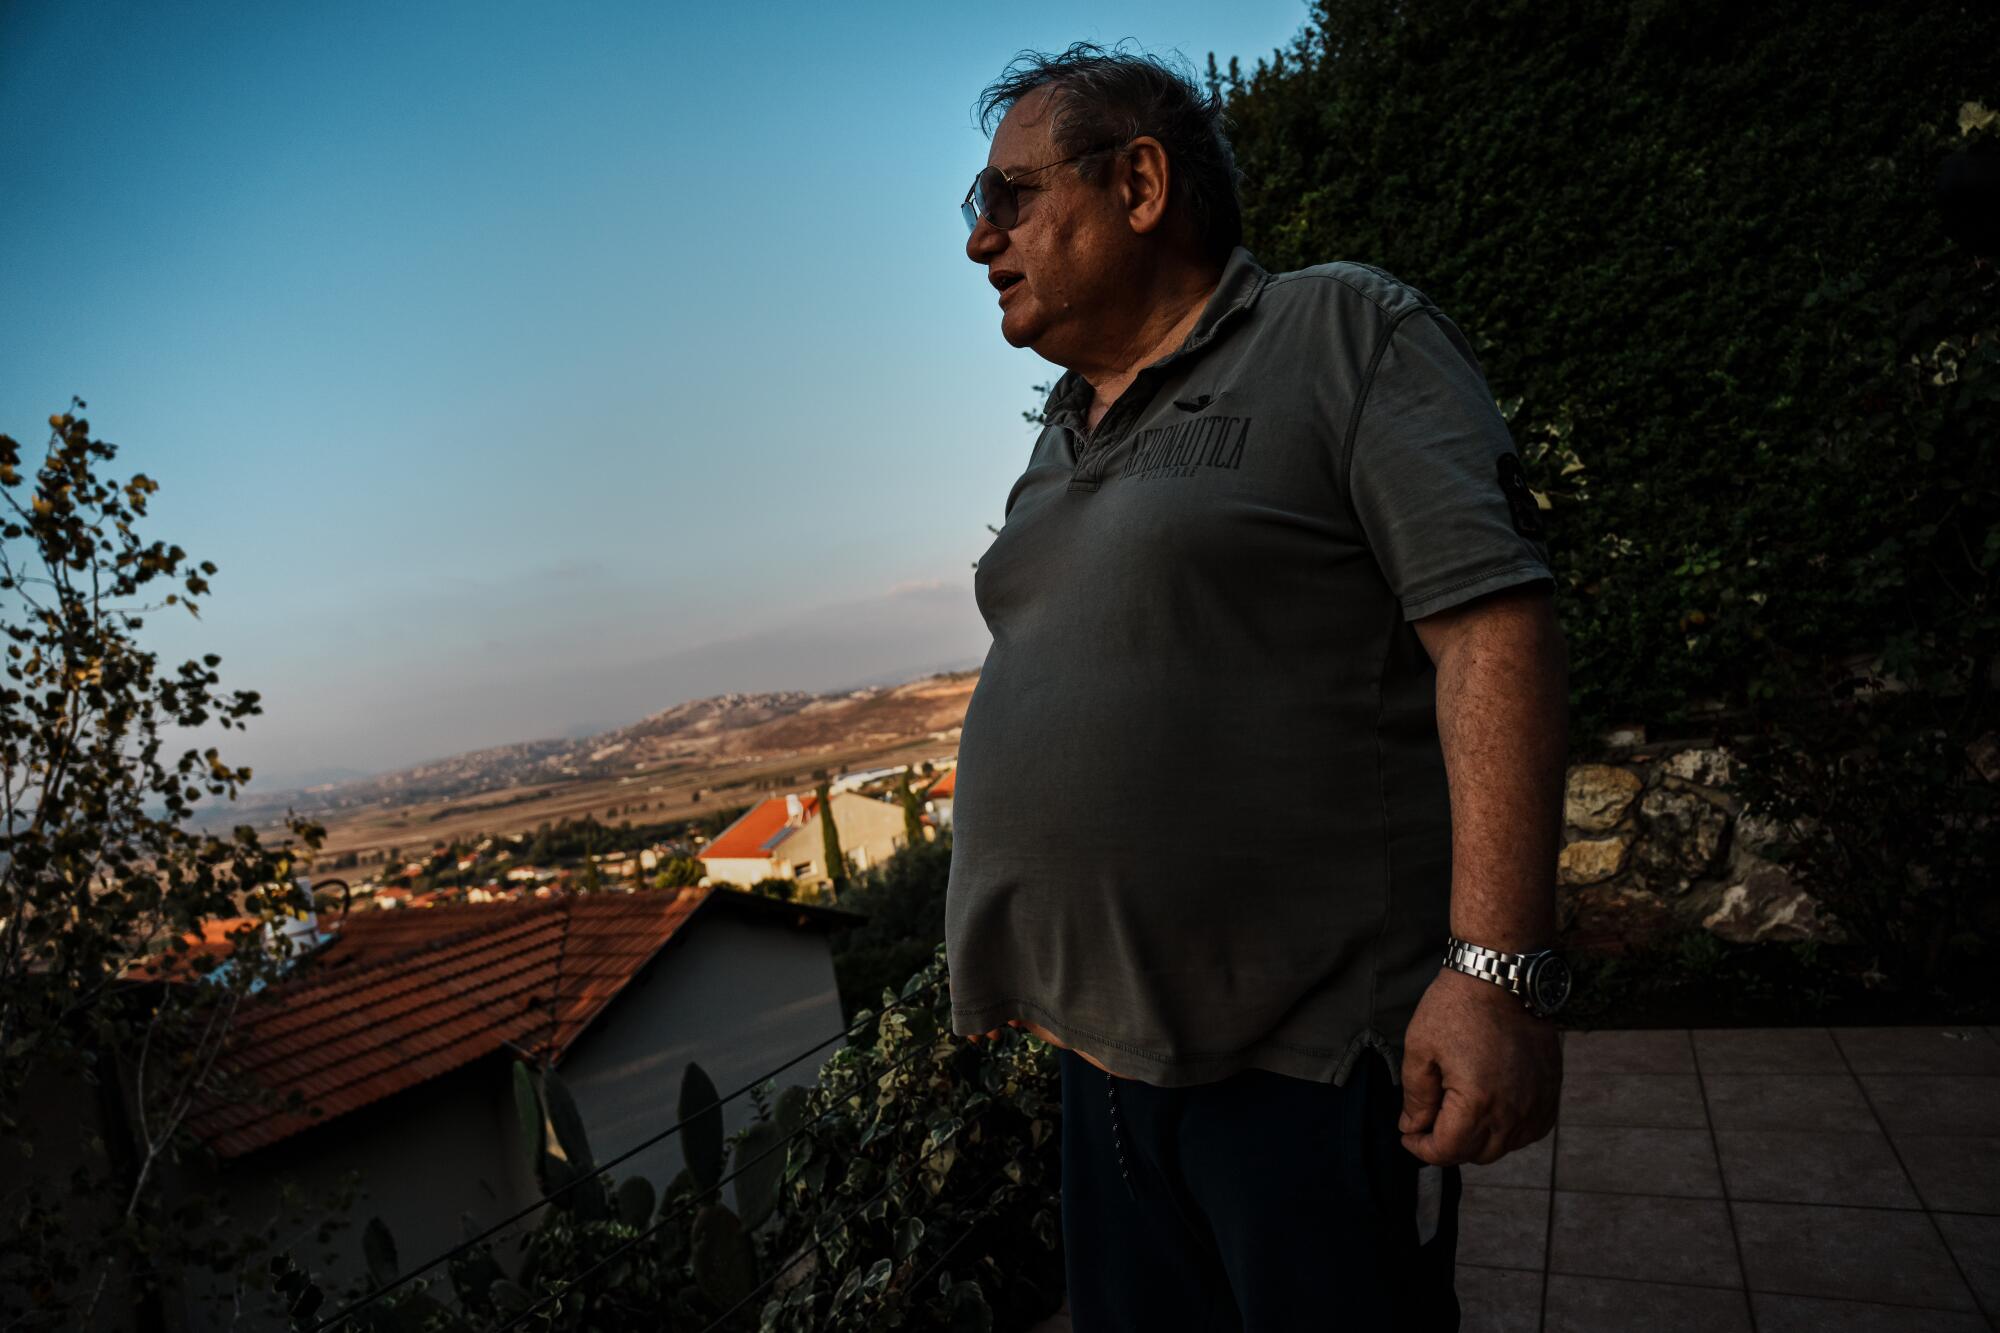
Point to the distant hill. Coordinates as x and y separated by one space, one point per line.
723 727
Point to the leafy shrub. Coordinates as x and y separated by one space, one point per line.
127 936
914 1186
1698 251
903 899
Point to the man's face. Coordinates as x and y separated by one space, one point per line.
1055 266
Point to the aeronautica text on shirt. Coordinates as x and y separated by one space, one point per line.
1186 447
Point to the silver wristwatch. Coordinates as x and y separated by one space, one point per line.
1541 979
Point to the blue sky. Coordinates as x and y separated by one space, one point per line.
528 368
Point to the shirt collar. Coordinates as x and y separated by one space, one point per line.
1242 282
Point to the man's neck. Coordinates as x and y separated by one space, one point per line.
1163 329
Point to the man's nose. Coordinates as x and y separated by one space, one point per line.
985 242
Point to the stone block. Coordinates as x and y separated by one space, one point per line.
1712 767
1591 860
1597 796
1754 834
1985 756
1763 905
1684 837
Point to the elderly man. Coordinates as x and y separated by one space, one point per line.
1259 793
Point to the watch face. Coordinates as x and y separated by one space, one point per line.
1551 984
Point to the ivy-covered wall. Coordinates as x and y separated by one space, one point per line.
1696 247
1750 357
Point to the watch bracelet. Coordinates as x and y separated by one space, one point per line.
1502 969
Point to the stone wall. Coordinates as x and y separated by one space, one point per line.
1653 838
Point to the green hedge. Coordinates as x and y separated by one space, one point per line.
1698 249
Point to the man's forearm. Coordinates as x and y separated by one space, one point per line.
1503 727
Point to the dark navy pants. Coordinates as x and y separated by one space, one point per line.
1260 1203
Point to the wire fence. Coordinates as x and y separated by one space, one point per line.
355 1307
971 1225
723 1319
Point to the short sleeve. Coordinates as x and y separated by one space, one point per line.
1433 476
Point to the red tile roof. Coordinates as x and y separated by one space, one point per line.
216 941
402 997
943 787
760 829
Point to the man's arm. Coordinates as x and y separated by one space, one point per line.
1481 1074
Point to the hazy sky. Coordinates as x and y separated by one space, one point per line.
528 368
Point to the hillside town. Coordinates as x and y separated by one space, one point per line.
580 947
775 847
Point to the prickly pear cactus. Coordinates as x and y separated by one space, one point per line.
634 1201
701 1126
725 1264
378 1247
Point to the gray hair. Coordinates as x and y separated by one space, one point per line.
1105 97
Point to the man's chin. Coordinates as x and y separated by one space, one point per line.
1019 332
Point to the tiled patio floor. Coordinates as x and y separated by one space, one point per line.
1837 1180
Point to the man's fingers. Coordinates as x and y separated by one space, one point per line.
1423 1093
1462 1133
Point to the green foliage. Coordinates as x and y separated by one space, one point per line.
725 1262
378 1247
836 860
676 872
943 1157
571 840
912 1187
566 1122
763 1169
559 1148
903 901
477 1278
528 1118
101 873
701 1127
1692 978
1896 833
776 886
635 1201
913 818
1758 388
1696 249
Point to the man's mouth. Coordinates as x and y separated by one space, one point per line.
1004 280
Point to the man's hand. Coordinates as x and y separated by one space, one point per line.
1481 1074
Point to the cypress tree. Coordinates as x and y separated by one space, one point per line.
913 820
836 864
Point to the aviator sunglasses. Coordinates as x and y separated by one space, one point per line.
994 197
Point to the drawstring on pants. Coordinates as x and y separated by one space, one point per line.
1117 1137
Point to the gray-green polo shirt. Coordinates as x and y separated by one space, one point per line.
1201 821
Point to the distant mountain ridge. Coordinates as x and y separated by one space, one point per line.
731 726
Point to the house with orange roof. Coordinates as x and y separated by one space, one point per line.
937 798
395 1045
284 938
781 838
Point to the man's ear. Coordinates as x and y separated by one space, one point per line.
1145 178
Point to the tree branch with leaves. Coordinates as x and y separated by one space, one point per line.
127 938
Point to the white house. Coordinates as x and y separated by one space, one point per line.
781 838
